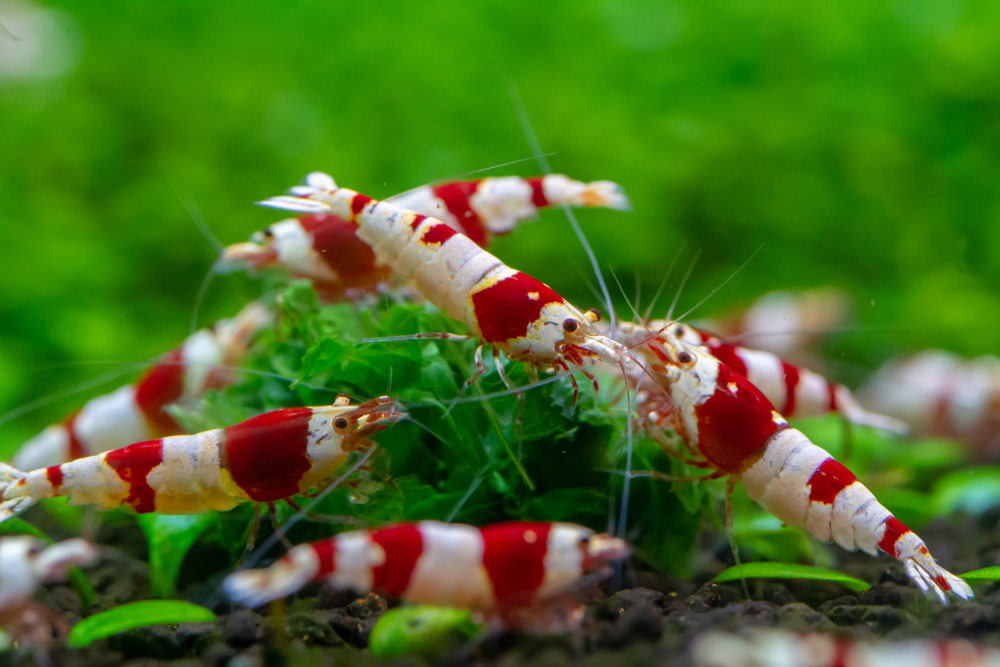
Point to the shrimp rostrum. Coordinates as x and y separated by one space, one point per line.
266 458
728 425
513 312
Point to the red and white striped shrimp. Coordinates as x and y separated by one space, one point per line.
786 322
138 412
510 310
25 564
795 391
488 207
512 572
266 458
325 249
730 426
939 393
767 647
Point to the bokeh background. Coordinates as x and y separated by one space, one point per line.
852 144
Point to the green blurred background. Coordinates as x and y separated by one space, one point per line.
856 145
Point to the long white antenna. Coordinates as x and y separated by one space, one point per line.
536 148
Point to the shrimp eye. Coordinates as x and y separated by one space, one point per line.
684 357
268 233
340 423
594 315
679 331
570 325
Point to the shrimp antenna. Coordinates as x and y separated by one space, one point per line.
628 302
471 173
476 482
40 403
536 147
684 280
622 527
723 283
199 222
663 283
540 156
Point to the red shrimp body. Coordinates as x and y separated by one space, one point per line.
138 412
508 309
496 569
796 391
326 249
726 420
267 458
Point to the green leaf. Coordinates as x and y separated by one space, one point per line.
136 615
424 630
18 526
170 537
972 490
991 573
772 570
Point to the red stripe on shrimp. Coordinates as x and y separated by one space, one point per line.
729 355
830 478
456 198
514 560
133 464
358 203
791 384
326 556
402 546
894 529
162 385
55 476
734 423
538 197
336 240
505 309
437 234
266 455
77 448
831 395
418 219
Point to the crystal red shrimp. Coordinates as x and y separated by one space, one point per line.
325 249
730 426
786 322
510 310
759 646
939 393
25 564
138 412
795 391
512 572
266 458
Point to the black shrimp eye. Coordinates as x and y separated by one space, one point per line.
340 423
684 357
570 325
679 331
268 233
